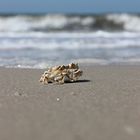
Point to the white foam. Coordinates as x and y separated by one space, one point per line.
69 40
29 23
130 22
14 24
22 23
66 34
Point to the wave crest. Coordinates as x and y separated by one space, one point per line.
58 22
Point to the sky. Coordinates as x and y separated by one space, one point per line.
69 6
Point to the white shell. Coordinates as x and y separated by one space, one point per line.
61 74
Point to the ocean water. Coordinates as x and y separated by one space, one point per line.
39 41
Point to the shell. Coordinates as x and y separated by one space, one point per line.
61 74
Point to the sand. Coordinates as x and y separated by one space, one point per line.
103 105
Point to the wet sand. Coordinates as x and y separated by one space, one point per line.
103 105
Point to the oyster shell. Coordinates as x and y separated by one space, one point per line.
61 74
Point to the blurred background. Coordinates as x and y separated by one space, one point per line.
42 33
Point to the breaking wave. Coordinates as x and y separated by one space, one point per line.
38 41
58 22
69 40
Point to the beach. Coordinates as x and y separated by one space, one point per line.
103 105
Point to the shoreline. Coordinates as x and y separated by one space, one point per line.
103 104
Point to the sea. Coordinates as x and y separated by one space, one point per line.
44 40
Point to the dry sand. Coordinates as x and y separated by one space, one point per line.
104 105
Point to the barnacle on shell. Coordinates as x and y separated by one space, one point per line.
61 74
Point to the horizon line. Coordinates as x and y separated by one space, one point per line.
66 13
